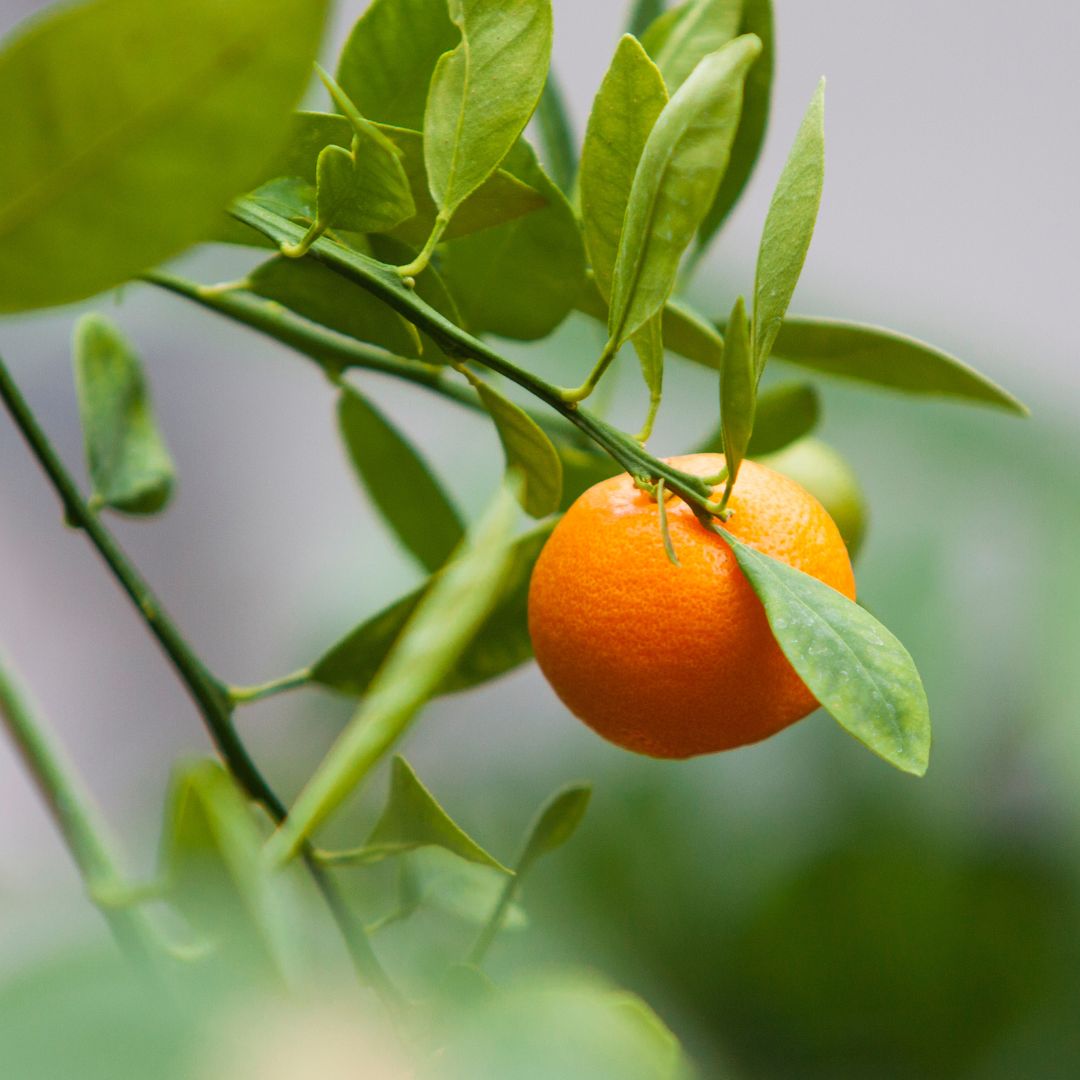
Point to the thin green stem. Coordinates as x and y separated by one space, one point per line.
77 819
247 695
209 694
556 134
420 263
382 281
580 393
300 248
491 928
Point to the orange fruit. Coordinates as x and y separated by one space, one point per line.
667 660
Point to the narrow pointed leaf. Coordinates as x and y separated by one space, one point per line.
388 59
789 226
527 449
649 345
682 164
413 818
757 19
630 99
130 466
557 135
784 413
500 645
399 481
483 92
682 37
886 358
320 295
738 391
856 668
438 631
556 822
129 126
519 279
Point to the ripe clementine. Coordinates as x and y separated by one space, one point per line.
667 660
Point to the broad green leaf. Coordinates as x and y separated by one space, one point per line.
556 822
784 413
128 126
527 450
501 644
438 631
789 226
413 818
522 278
388 59
462 888
212 856
318 294
483 92
500 198
886 358
399 481
682 164
738 392
856 668
682 37
363 190
757 19
626 107
660 1043
130 467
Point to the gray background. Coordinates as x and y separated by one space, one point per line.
950 212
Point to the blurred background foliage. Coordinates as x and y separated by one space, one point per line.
792 909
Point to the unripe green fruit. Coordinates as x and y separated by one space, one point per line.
829 478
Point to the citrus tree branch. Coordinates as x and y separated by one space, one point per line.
382 281
209 694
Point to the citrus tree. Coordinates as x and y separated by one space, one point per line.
408 227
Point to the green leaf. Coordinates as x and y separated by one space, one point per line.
556 822
630 99
682 37
130 467
784 413
757 19
436 634
128 127
649 346
789 227
483 92
399 482
855 668
413 818
528 450
461 888
388 59
557 135
501 644
685 331
319 295
738 393
502 197
365 190
212 854
522 278
886 358
643 14
682 164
